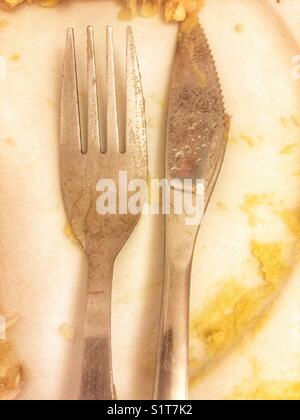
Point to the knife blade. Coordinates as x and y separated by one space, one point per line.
195 146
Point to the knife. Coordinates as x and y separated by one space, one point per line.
195 146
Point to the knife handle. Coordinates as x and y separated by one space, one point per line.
171 376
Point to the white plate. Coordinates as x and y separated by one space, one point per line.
42 271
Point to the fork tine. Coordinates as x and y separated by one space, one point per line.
136 137
93 107
112 114
70 115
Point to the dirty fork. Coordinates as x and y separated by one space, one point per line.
83 165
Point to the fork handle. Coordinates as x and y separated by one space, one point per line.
97 374
171 376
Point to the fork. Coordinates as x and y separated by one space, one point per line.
83 164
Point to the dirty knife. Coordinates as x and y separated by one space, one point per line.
195 147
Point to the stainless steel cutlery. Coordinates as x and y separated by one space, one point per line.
195 147
83 164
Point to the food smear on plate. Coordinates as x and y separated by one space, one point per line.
11 370
174 10
236 308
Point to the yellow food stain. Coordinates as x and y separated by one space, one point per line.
239 28
236 308
48 3
67 332
291 217
251 202
15 57
129 11
290 121
68 232
232 140
190 23
125 14
179 13
149 8
258 388
217 324
270 258
287 150
10 141
286 122
3 24
296 120
248 140
221 206
254 200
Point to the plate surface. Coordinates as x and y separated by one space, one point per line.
245 311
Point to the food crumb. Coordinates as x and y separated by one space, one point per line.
248 140
180 13
67 332
287 150
125 14
149 8
221 206
3 24
68 232
239 28
15 57
9 141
